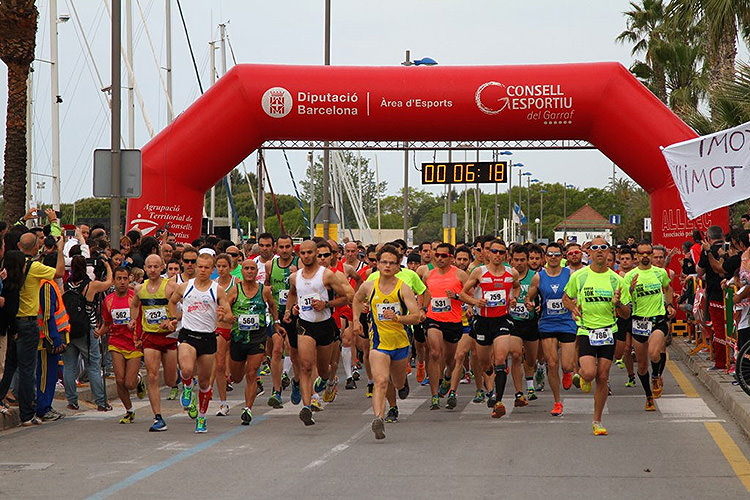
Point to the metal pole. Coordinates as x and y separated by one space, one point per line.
528 205
565 214
131 76
212 206
477 211
56 107
449 200
510 197
261 195
377 190
114 209
406 191
168 68
541 212
312 193
497 209
223 45
29 136
326 154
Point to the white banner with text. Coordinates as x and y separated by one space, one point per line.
711 171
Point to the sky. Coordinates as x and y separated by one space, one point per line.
465 32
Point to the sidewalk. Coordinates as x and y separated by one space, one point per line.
732 397
85 398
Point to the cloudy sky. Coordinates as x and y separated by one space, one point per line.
454 32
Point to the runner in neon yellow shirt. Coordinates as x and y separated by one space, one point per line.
649 286
593 294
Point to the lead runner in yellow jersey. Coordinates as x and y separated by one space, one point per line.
392 305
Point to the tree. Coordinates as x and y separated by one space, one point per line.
645 30
720 20
18 24
370 191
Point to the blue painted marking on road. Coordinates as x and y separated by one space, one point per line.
153 469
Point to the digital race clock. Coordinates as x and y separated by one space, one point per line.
465 173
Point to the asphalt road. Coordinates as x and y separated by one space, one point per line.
688 448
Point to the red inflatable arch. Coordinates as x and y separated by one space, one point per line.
598 102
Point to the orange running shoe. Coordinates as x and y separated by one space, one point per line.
557 410
656 387
567 380
499 410
421 373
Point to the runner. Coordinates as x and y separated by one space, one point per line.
200 298
124 345
149 302
466 344
494 288
624 340
389 300
266 252
443 325
599 292
525 321
556 326
536 263
574 257
315 327
249 300
278 272
426 258
649 287
220 375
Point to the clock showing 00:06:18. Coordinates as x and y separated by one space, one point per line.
481 172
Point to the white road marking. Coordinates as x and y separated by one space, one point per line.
684 408
337 449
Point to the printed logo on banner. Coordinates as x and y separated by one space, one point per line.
277 102
542 102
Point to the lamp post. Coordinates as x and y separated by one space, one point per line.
425 61
537 221
565 211
541 210
497 208
529 182
510 190
520 201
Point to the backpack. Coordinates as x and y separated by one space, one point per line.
75 304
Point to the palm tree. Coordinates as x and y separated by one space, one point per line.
721 20
645 27
18 24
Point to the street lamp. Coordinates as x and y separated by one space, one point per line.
497 209
541 208
537 221
528 193
565 211
425 61
510 190
520 200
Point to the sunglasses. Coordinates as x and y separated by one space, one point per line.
554 254
645 253
603 246
497 250
373 260
575 252
388 262
442 255
324 255
189 261
234 254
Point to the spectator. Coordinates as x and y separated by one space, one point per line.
745 221
13 268
148 245
54 328
84 341
135 237
712 246
27 328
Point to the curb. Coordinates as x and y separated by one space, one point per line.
731 397
84 396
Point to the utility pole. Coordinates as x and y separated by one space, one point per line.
131 75
212 206
114 214
326 153
168 68
261 195
406 187
56 100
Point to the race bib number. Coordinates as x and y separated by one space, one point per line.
495 298
601 336
121 316
642 327
382 308
520 312
282 297
248 322
555 306
306 302
155 316
440 304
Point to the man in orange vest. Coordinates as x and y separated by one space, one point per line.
53 340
